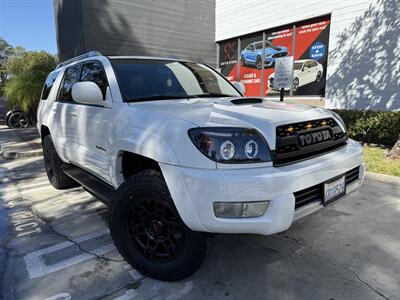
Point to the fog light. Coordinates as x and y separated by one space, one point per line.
240 209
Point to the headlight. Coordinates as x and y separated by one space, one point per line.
231 145
340 119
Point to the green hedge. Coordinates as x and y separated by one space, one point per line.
377 127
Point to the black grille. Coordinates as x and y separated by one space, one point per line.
288 149
281 54
316 193
352 175
309 195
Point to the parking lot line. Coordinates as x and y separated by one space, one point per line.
37 267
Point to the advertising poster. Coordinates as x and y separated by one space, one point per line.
310 58
228 58
251 63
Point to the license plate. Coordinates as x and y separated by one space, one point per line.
334 189
316 137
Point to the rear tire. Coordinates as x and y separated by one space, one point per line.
149 233
54 166
18 119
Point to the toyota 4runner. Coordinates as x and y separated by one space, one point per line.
177 152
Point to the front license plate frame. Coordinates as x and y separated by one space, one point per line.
334 189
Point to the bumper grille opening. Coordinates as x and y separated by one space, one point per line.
352 175
316 193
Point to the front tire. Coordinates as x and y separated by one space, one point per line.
149 233
54 166
258 62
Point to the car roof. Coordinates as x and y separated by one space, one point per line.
304 60
95 54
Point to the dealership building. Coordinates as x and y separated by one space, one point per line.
344 52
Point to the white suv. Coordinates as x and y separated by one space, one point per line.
176 152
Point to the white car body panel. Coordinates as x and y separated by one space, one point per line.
93 137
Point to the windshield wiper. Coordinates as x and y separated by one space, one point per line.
205 95
158 97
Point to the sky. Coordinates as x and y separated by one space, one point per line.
28 23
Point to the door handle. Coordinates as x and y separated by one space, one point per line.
73 114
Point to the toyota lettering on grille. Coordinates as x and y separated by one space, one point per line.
307 139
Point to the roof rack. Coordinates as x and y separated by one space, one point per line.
79 57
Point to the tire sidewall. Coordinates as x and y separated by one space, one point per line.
195 244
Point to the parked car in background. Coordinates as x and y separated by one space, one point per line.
252 54
16 118
305 71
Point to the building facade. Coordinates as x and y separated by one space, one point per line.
345 52
354 43
173 28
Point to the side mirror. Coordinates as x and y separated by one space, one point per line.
239 86
87 92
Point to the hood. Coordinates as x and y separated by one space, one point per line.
214 112
274 49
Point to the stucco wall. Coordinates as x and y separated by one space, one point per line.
363 68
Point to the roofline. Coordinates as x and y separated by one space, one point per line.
147 58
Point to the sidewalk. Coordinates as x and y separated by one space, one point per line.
20 143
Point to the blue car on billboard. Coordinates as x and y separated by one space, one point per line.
252 54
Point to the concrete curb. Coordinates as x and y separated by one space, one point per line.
382 178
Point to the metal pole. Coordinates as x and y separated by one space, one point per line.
293 51
238 60
262 67
282 93
218 56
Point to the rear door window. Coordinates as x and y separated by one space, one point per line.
48 84
71 76
94 71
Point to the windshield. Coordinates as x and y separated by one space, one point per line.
142 79
297 66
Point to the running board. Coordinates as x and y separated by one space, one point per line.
95 186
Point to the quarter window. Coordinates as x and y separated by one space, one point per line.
48 84
94 71
71 76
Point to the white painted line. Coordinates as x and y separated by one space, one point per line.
36 267
129 294
135 274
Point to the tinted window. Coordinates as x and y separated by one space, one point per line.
259 46
48 84
307 64
159 79
71 76
249 47
94 71
313 63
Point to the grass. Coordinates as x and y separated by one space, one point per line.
377 162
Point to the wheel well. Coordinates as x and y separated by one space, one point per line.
133 163
44 131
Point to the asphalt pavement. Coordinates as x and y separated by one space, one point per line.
56 245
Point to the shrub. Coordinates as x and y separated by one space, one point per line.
377 127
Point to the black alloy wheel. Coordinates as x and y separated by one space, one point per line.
155 230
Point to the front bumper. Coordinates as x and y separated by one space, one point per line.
195 190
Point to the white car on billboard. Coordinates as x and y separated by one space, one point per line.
305 71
